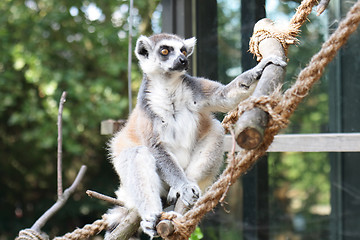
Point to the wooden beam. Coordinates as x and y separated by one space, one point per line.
110 126
324 142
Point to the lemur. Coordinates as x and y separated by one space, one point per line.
172 146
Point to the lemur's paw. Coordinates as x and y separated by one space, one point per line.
148 225
190 193
173 196
275 60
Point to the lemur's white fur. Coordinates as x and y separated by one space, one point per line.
172 145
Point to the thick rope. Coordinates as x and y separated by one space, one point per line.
80 233
244 159
286 36
85 232
30 234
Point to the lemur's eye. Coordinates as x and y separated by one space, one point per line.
184 52
164 52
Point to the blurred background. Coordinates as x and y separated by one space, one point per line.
47 47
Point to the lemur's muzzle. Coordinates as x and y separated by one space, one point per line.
181 63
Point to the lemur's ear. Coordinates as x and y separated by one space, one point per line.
143 47
190 45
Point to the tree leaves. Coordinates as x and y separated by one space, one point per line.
47 47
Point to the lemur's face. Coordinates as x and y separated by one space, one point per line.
164 53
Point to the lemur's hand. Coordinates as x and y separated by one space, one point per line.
188 193
273 59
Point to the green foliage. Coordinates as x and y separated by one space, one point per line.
229 43
197 234
47 47
299 182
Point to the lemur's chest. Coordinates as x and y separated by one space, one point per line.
178 120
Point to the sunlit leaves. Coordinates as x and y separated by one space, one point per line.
47 47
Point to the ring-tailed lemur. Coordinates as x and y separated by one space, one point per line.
172 146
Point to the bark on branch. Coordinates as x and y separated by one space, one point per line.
62 196
250 127
129 224
60 202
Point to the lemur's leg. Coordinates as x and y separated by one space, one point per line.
207 157
141 184
206 161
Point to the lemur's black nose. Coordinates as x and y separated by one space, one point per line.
180 64
182 60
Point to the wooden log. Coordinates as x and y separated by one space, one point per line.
250 127
165 228
129 224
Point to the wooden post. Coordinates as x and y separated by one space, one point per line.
250 127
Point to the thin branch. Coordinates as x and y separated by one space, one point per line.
60 202
62 196
105 198
59 150
322 6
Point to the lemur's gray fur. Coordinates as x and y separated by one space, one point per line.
172 146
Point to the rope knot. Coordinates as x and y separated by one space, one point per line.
181 231
266 103
30 234
266 28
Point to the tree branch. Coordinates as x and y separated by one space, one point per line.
250 127
322 6
129 224
62 196
105 198
60 202
59 149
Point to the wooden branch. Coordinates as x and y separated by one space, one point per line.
62 196
129 224
105 198
60 202
59 149
250 127
322 6
165 228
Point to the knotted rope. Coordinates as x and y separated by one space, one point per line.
80 233
30 234
285 35
87 231
280 108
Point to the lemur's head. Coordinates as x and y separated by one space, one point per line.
164 53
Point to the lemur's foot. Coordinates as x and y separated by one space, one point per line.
148 225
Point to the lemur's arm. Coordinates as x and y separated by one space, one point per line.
169 170
171 173
220 98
